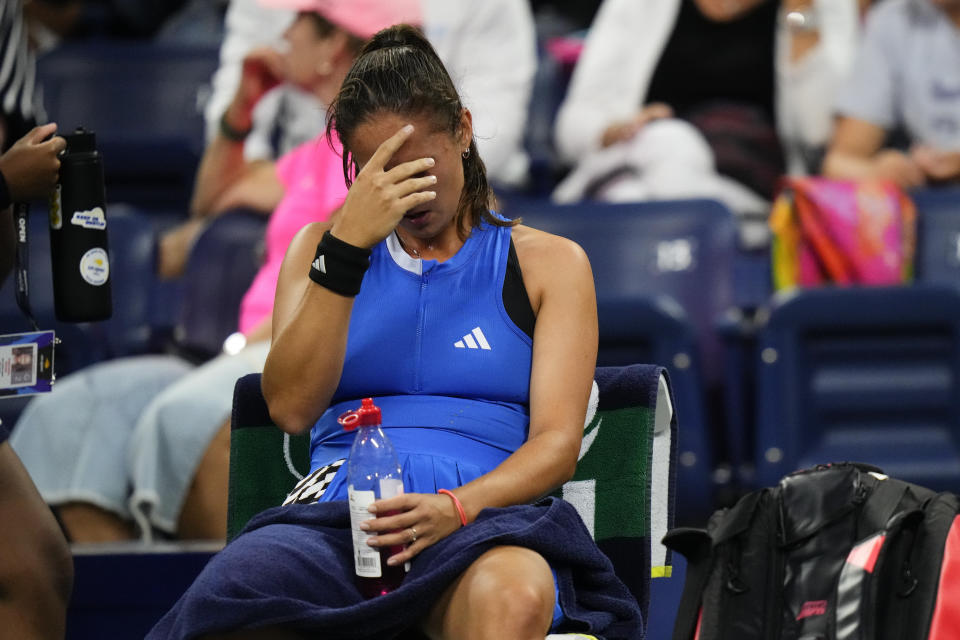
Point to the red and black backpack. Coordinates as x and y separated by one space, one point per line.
836 552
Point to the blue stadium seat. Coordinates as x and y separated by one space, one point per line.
663 273
144 101
656 330
865 374
938 235
220 268
681 249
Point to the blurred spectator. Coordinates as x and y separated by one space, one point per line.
489 49
20 107
906 84
143 441
28 166
563 16
285 117
702 98
488 46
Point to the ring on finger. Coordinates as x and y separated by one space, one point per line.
413 534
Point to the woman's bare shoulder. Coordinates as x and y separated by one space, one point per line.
538 249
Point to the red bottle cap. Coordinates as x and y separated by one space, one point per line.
367 415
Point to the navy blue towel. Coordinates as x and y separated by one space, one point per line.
293 566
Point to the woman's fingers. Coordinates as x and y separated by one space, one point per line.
387 148
414 185
409 169
414 200
416 521
408 554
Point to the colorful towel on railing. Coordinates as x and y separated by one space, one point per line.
841 232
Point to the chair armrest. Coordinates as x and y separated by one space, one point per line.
265 462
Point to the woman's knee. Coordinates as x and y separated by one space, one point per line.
513 585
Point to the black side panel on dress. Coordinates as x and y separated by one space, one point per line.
515 298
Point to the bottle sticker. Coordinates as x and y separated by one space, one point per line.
95 266
90 219
366 559
56 211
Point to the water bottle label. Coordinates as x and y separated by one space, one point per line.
95 266
366 559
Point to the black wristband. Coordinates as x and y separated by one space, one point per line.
339 266
228 132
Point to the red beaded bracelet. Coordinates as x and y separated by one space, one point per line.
456 503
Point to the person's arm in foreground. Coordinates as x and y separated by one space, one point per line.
36 570
29 170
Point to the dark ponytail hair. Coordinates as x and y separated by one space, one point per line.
399 72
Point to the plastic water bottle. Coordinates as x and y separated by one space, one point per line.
373 473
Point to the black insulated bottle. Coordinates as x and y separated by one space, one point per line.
78 234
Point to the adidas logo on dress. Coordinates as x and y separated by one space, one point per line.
320 264
473 340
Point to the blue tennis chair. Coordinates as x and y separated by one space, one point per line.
865 374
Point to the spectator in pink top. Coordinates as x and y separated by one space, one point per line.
312 176
140 446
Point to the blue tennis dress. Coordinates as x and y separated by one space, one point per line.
433 345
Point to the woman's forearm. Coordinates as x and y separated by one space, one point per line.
306 358
538 467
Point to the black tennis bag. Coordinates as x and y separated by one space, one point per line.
836 552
